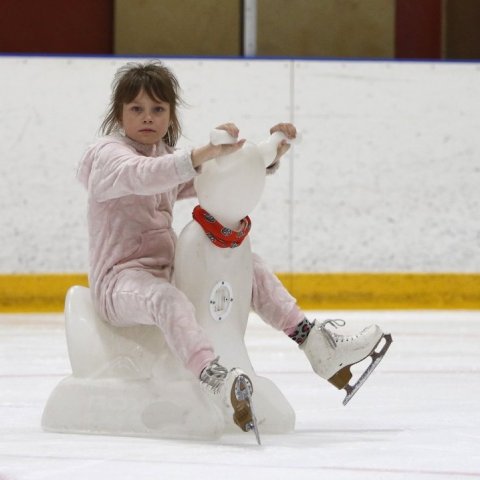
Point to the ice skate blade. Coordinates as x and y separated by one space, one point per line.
242 403
376 359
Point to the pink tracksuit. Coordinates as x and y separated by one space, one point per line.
131 192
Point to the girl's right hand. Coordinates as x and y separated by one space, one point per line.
227 148
202 154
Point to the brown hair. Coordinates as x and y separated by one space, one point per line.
158 82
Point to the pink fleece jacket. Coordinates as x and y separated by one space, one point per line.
132 189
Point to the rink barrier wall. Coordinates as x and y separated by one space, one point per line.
36 292
385 178
21 293
383 291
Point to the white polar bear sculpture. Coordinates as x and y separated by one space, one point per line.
126 381
218 281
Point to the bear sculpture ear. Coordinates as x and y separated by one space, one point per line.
221 137
268 148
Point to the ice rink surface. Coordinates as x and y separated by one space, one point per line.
418 415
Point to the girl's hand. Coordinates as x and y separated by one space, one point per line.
227 148
289 130
202 154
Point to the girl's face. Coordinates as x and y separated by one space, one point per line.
145 120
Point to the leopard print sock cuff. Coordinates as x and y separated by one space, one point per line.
301 331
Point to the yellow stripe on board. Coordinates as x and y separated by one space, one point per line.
36 292
384 291
314 291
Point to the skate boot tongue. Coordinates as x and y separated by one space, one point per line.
329 335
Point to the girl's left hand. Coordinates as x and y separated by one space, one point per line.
289 130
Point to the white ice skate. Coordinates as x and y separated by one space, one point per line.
234 390
331 355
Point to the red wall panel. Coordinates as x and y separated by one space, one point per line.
418 29
56 26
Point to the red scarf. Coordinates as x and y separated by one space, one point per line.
221 236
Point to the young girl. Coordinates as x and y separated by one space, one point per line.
134 175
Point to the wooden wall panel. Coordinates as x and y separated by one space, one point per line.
178 27
327 28
428 29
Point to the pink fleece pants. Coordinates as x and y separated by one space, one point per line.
141 298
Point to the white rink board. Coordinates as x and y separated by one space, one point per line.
385 179
393 167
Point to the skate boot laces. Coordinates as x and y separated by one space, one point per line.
331 336
213 377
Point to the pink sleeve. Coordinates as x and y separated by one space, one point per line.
117 171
